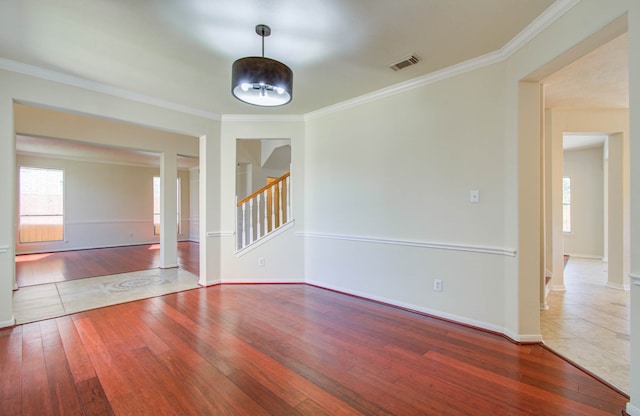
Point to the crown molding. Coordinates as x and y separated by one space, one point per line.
253 118
55 76
550 15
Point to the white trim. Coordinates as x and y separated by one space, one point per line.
88 159
558 288
544 306
550 15
215 282
635 278
633 410
251 118
4 249
10 322
131 221
422 244
75 81
585 256
262 281
265 238
213 234
50 248
449 72
527 338
439 314
617 286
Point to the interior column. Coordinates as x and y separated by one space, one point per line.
633 407
7 212
529 205
168 210
618 209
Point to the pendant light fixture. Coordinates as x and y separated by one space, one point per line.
262 81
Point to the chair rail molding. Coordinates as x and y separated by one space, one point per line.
411 243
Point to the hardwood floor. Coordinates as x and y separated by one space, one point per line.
281 350
35 269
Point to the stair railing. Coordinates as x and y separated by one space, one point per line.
264 211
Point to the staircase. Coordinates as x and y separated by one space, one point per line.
263 212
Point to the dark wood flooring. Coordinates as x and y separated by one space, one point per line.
281 350
35 269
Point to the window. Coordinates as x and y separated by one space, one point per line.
156 205
41 205
566 204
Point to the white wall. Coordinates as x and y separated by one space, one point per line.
585 168
194 204
249 152
106 205
387 198
284 255
133 112
381 189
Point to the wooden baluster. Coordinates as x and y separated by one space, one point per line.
244 234
273 209
280 201
266 212
288 194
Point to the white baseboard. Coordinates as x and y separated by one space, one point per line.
203 283
618 286
633 410
525 339
544 307
531 338
558 288
585 256
10 322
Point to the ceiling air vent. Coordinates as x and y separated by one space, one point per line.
405 62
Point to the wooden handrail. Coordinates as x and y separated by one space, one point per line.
264 188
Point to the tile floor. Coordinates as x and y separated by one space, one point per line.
34 303
589 322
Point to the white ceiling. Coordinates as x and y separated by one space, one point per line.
599 79
181 52
572 141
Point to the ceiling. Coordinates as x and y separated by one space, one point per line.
181 52
599 79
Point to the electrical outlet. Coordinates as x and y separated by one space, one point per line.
261 261
437 285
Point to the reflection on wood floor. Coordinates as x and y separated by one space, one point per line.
281 350
36 269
